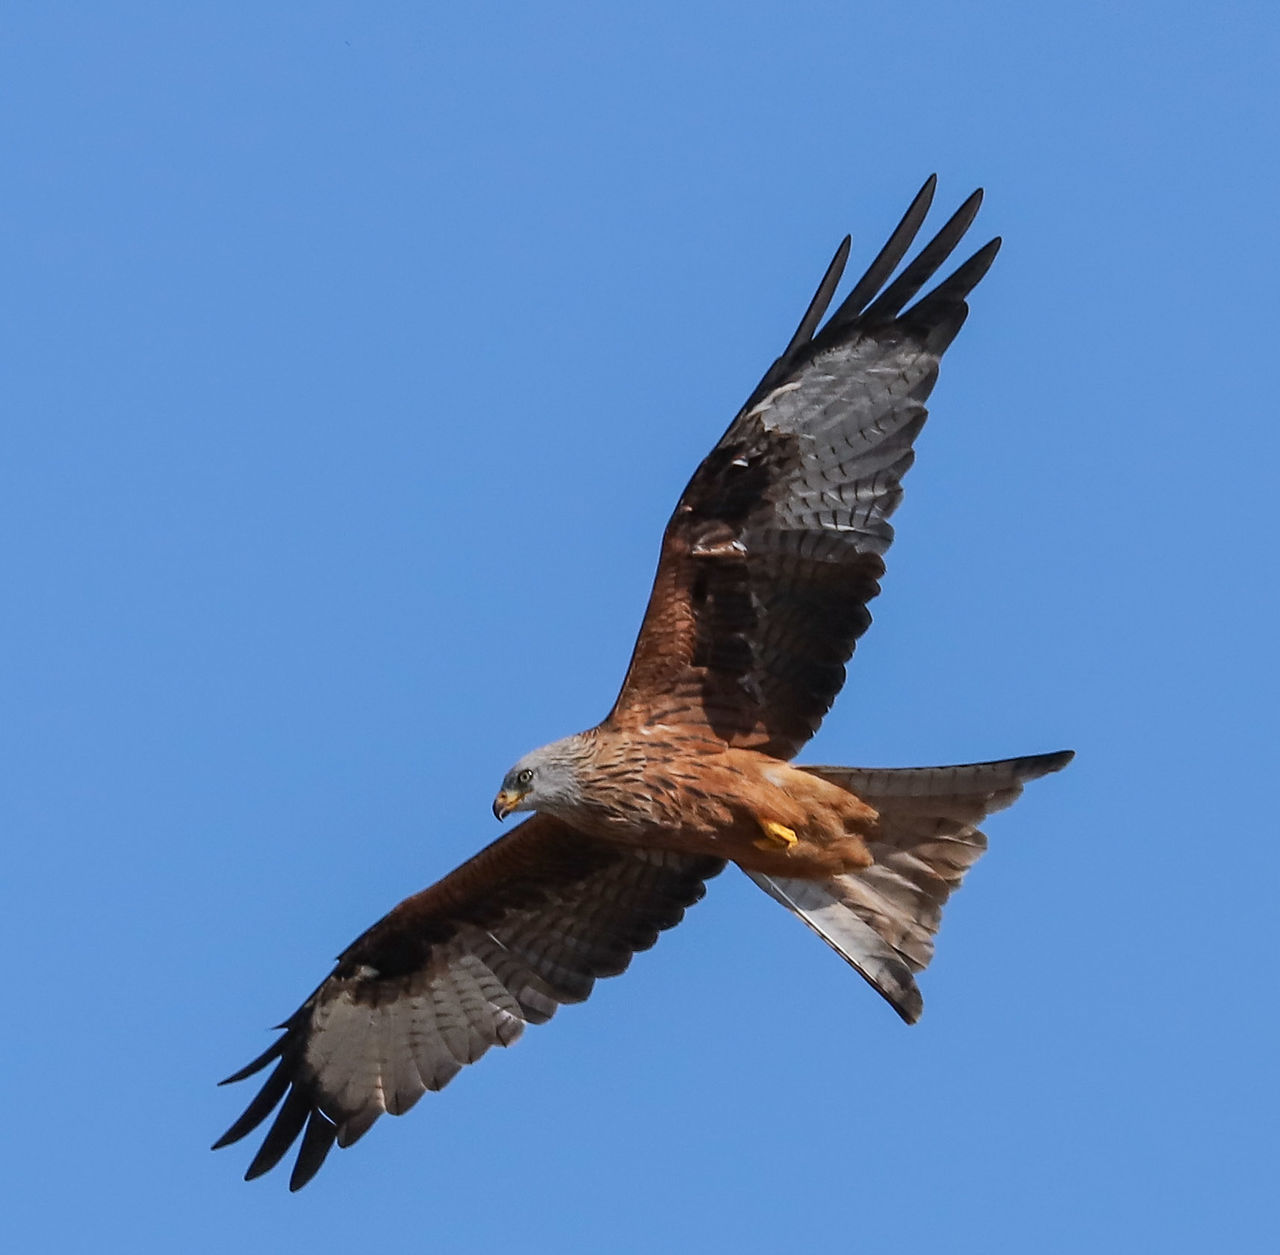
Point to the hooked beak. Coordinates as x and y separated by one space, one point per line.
506 801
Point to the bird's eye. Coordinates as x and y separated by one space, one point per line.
525 776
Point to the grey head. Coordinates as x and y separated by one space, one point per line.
547 779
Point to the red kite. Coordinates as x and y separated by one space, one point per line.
766 569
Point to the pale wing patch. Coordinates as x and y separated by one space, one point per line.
374 1049
758 411
857 409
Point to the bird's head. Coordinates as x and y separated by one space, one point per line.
545 780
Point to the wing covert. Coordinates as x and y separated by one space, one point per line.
528 924
776 545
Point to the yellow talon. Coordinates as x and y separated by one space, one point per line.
776 836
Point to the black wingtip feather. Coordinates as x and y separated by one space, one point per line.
262 1105
813 315
821 299
273 1051
938 317
957 285
317 1142
925 264
887 259
1036 765
282 1134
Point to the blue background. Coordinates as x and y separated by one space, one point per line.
355 355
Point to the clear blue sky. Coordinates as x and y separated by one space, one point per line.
354 356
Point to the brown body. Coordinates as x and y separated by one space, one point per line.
673 789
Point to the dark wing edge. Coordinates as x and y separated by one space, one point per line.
777 543
528 924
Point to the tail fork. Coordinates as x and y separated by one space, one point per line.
882 920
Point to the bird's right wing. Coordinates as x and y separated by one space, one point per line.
776 546
527 924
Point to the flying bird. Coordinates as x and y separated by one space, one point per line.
766 569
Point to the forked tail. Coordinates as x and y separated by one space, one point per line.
882 920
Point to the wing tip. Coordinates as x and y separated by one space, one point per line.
317 1142
274 1051
926 193
812 334
1036 765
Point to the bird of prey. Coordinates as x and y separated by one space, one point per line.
766 568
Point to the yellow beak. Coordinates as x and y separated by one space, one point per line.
506 802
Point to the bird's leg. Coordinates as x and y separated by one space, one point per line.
776 836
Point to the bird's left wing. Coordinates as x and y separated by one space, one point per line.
527 924
777 544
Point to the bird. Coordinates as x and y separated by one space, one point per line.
767 565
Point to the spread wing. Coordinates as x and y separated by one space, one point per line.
527 924
777 544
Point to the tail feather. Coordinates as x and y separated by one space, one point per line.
819 904
882 920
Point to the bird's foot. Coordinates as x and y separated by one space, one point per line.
776 836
